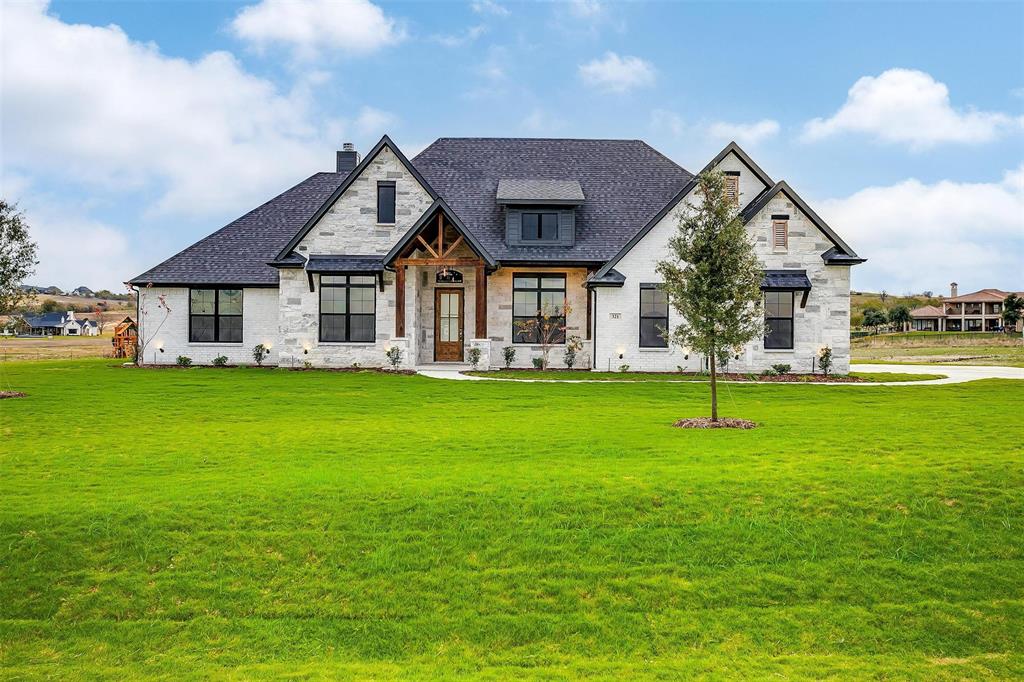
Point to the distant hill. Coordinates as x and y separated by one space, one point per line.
82 291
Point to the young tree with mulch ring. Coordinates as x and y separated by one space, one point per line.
713 278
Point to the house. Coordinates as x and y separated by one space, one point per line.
975 312
459 246
55 324
89 327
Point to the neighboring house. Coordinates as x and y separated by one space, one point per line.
60 324
454 249
975 312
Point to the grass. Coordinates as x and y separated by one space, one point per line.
56 347
563 375
257 524
951 348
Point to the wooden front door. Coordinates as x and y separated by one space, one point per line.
448 325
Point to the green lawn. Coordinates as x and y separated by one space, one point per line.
563 375
249 523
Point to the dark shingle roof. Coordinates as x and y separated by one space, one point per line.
525 190
45 320
786 279
329 264
625 182
239 252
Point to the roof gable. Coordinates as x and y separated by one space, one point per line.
439 205
760 202
385 142
731 148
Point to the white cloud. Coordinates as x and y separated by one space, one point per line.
907 106
920 236
617 74
745 133
88 104
311 27
540 122
587 9
489 7
373 122
470 35
665 121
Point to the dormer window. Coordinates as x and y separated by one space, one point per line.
732 187
538 226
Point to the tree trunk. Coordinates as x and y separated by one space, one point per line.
714 389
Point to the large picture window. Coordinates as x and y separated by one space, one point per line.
778 319
534 296
653 317
540 227
215 316
348 306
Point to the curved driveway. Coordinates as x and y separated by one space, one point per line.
954 374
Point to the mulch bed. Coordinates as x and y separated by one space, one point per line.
722 423
11 394
378 370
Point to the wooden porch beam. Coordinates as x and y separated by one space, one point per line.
427 246
454 245
437 261
440 234
481 301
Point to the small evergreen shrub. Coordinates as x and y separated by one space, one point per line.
474 357
782 368
394 355
623 368
220 361
509 354
183 361
573 345
825 360
259 352
538 363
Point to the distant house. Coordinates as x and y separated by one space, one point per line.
975 312
60 324
82 291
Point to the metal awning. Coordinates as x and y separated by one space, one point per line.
345 265
787 280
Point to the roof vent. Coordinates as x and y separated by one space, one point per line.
348 158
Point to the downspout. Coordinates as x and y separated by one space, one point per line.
593 334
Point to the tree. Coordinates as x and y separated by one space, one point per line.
713 278
48 306
1013 310
17 256
546 329
884 296
899 315
873 317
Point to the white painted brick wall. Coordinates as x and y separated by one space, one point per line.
259 325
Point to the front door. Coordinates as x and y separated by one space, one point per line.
448 323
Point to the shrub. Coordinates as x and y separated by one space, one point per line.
538 363
770 371
825 360
394 355
509 354
259 352
474 356
573 345
306 364
782 368
184 361
623 368
220 361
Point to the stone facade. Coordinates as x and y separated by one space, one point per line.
286 318
825 321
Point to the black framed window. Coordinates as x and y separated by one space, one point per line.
540 226
348 308
534 295
778 319
653 317
215 316
386 202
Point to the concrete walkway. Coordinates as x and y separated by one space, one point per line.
954 374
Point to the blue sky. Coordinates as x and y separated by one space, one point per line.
131 130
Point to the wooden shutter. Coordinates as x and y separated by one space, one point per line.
732 188
780 234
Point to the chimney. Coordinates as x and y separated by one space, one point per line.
952 289
348 158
